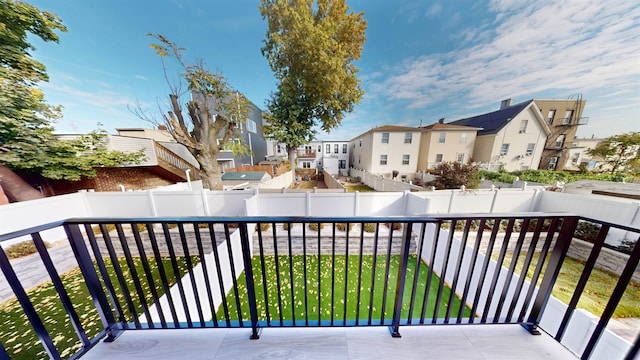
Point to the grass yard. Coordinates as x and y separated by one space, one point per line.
20 340
307 184
319 304
597 291
361 188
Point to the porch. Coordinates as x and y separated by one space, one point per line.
201 286
437 342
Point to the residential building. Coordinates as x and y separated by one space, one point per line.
251 134
335 157
579 154
164 162
309 156
512 137
442 142
563 118
386 150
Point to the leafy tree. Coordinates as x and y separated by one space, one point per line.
619 151
213 113
27 142
311 47
452 175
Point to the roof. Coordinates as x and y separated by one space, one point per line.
244 175
389 128
493 122
440 126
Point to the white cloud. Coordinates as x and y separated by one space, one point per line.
434 10
533 47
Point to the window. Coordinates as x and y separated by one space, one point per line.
342 164
575 158
360 142
559 142
344 148
504 149
306 164
550 116
279 148
319 148
405 159
438 158
463 138
336 148
228 146
460 157
383 159
358 159
385 138
552 163
328 149
530 148
567 117
407 138
251 126
442 138
523 126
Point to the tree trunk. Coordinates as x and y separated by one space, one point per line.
292 161
210 172
15 188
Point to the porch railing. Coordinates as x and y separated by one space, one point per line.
257 272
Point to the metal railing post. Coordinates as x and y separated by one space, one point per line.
76 240
248 272
27 306
551 273
402 274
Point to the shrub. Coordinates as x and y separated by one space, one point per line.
343 226
21 249
112 227
285 226
587 231
316 226
396 226
263 226
369 227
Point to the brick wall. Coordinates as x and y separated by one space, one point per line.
109 179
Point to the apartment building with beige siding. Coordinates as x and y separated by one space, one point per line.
442 142
563 118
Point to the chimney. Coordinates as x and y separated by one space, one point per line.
162 127
505 103
441 121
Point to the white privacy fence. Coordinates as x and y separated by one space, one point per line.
22 215
380 183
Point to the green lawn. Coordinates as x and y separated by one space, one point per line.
20 340
361 188
597 291
329 269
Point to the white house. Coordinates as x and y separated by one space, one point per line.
387 150
335 157
513 137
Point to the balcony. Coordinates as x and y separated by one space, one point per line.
465 282
305 154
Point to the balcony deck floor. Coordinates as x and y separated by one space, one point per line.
432 342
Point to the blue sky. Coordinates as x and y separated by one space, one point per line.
422 60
